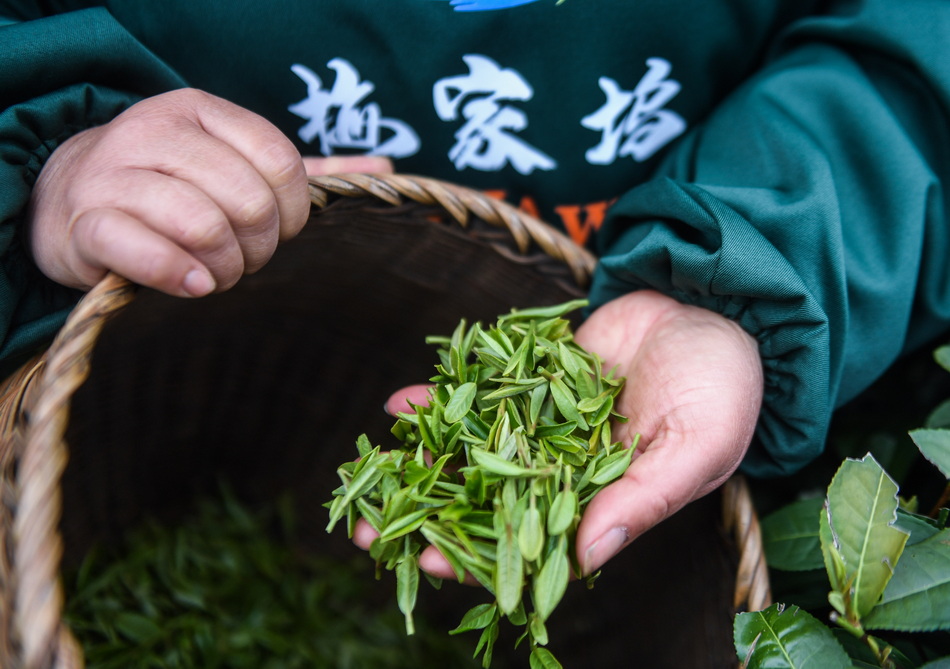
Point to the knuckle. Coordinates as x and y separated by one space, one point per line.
258 210
282 164
205 233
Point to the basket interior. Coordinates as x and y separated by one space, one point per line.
269 384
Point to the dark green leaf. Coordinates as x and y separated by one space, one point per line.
476 618
542 658
917 597
790 536
935 446
786 637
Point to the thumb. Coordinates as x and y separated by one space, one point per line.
659 482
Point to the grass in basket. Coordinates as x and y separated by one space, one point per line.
495 472
226 587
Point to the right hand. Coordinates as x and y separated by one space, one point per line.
183 192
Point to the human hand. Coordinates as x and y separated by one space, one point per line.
693 392
183 192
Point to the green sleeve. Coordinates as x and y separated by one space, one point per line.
812 208
58 75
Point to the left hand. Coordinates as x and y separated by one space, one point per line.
693 393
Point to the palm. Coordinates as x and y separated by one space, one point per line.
694 386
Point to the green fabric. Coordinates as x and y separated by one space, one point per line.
58 75
821 227
800 189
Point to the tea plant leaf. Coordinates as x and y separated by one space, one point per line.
460 402
612 466
476 618
917 598
942 356
407 588
509 571
563 509
542 658
531 533
786 637
934 444
862 503
495 464
551 583
790 536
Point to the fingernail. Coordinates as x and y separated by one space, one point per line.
198 283
604 548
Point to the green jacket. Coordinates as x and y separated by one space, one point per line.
783 162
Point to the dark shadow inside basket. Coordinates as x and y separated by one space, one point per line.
269 384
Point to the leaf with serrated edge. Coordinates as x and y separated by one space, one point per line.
862 503
917 598
788 638
934 444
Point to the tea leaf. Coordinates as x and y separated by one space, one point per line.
786 637
509 571
551 583
542 658
612 466
917 598
476 618
862 503
935 446
460 402
790 536
407 588
531 534
563 509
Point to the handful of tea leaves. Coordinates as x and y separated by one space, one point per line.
495 472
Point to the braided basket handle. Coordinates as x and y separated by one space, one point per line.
42 418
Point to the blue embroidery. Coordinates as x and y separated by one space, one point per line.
486 5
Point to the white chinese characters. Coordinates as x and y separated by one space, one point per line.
634 123
486 140
487 104
340 120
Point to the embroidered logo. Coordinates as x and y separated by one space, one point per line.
340 119
634 123
487 141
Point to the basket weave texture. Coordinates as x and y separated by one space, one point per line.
155 396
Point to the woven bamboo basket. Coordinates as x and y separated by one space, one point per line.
143 401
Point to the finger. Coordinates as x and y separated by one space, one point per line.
347 165
403 399
109 239
182 213
238 189
661 481
434 563
364 534
268 150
